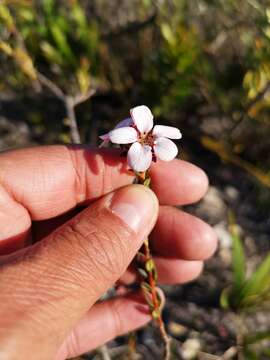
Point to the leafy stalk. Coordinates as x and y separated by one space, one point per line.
148 272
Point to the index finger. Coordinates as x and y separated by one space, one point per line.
50 180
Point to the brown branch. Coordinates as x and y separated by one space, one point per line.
51 86
78 99
70 103
74 131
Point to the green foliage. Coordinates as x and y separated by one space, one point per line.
238 258
256 289
58 38
253 346
257 337
172 55
245 293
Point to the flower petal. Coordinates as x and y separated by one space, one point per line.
139 157
123 135
170 132
105 137
143 118
165 149
124 123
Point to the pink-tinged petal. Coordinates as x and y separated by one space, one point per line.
124 123
104 143
142 118
106 140
165 149
167 131
105 137
139 157
123 135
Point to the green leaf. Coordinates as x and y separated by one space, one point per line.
168 34
238 257
225 298
147 3
257 337
52 55
156 314
143 273
147 182
48 6
146 287
78 15
150 265
258 282
62 43
6 16
238 261
27 14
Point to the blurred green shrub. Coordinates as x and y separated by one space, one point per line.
56 38
171 54
246 295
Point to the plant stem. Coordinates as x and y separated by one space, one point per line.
152 280
70 103
104 352
240 328
74 131
154 302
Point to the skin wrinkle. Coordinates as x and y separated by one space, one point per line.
39 315
72 272
80 187
117 319
24 196
113 256
49 274
33 287
20 214
74 344
102 172
96 246
111 237
56 295
49 181
119 243
107 176
88 265
64 179
102 260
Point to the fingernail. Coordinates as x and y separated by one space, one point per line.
136 205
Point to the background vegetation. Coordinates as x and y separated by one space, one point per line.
203 65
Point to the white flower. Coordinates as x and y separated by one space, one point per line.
147 142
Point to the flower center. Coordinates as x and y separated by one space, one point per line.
147 139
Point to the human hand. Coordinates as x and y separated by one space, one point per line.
87 223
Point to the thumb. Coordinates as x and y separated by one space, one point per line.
49 287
